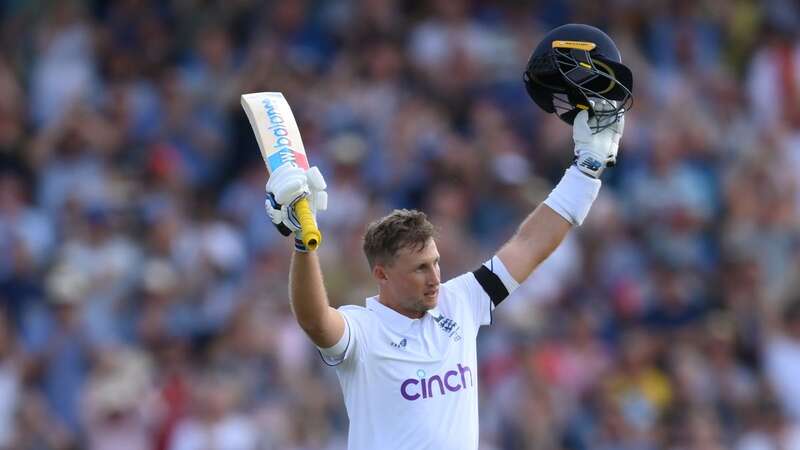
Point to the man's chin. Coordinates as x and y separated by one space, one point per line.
428 303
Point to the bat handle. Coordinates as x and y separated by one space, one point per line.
311 235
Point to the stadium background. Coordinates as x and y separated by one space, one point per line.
143 290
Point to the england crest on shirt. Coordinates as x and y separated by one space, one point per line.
449 326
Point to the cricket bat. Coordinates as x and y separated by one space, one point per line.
279 141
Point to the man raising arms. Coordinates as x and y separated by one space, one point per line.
407 361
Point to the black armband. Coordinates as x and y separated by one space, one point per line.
491 284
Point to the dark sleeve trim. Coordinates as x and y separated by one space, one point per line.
491 284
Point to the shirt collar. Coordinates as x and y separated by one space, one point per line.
434 313
393 319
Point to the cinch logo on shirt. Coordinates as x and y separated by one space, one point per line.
421 387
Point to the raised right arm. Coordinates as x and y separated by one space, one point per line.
323 324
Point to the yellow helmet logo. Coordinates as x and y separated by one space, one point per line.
580 45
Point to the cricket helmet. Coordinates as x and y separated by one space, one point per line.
578 67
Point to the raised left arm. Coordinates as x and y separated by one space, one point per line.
537 237
568 204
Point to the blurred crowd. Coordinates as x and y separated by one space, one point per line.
143 299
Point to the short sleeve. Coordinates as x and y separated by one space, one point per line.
354 335
484 289
478 302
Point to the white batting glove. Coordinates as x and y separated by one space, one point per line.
595 151
285 187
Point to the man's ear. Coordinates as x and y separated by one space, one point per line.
379 272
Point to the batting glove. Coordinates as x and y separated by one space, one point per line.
285 187
595 151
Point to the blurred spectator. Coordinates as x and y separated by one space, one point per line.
62 350
213 420
118 402
639 390
769 429
782 359
11 372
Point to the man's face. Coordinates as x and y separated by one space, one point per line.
410 284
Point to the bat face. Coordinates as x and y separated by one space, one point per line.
279 142
276 130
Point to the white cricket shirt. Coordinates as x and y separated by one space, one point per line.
413 383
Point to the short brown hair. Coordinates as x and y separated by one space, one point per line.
402 228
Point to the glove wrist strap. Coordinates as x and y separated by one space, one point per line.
299 246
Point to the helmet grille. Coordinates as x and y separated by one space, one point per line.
566 80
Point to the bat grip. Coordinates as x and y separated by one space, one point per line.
311 235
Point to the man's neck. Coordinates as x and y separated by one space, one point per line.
386 301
